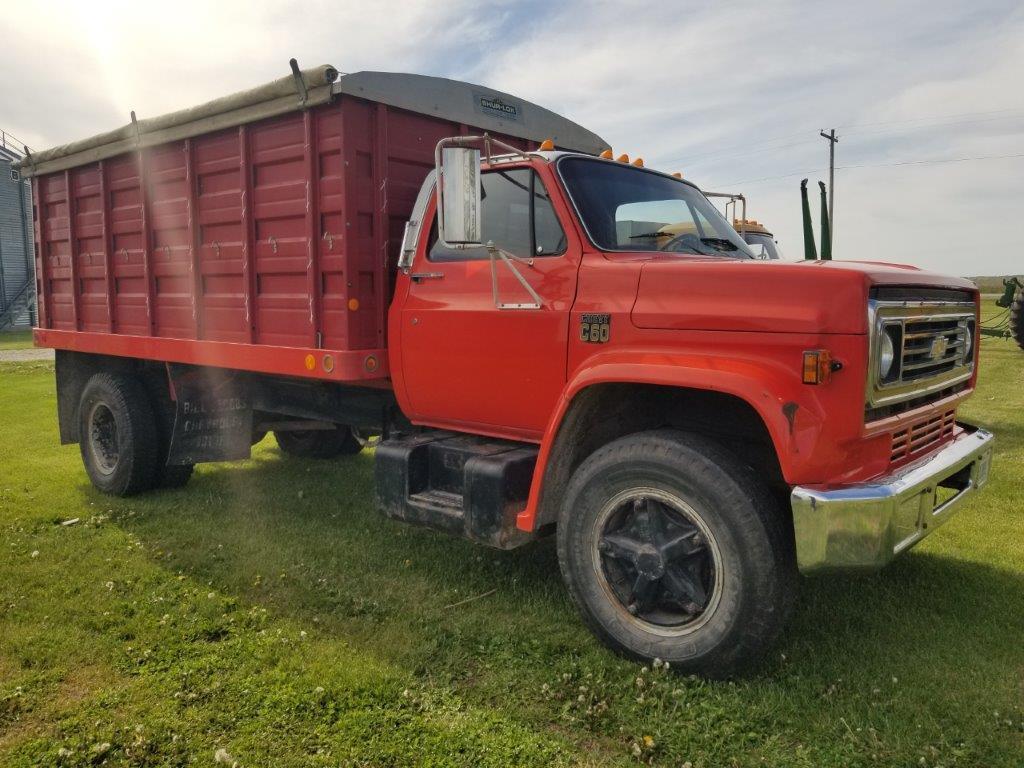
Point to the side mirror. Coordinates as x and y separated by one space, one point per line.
458 197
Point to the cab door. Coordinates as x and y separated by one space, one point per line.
465 363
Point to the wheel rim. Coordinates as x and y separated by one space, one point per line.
103 442
658 561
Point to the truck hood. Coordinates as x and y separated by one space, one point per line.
769 296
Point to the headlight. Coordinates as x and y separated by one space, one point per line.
886 355
968 343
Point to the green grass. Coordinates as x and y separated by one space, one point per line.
268 610
15 339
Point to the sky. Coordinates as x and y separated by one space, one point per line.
926 97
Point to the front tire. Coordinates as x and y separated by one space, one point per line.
117 435
672 549
318 443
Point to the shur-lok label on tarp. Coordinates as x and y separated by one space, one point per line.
496 106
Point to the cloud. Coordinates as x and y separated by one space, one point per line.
725 92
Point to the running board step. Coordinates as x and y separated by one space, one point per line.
463 485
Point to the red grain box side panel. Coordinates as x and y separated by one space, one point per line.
283 233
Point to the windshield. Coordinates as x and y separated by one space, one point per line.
625 208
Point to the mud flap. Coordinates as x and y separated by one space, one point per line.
213 416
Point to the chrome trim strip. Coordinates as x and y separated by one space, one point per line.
866 525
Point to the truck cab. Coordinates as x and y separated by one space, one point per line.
627 309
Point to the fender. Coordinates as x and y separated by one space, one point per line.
790 410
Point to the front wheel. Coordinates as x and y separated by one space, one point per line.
672 549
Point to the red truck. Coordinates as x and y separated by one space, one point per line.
696 426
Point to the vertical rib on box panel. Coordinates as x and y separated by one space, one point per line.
108 246
42 287
310 151
380 222
334 240
147 242
360 201
249 228
192 224
69 194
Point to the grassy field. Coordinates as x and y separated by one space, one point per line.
15 339
266 615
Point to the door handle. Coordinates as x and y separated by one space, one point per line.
419 277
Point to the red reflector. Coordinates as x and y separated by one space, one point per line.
817 366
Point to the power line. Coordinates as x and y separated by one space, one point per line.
930 118
935 161
933 121
872 132
729 150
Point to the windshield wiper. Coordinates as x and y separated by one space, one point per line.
726 245
651 234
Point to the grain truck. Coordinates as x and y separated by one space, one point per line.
473 278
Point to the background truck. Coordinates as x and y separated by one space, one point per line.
755 234
696 426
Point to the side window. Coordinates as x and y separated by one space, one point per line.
517 217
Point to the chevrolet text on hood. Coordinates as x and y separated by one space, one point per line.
558 342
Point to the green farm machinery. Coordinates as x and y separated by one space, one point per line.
1010 322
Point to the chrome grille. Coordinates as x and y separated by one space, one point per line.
931 347
934 348
922 435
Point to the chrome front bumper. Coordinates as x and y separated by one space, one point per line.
864 526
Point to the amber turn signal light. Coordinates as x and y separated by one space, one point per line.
817 366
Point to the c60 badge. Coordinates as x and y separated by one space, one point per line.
595 328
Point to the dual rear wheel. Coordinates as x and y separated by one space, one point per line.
125 424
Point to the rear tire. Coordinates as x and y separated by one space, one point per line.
672 549
318 443
1017 317
118 436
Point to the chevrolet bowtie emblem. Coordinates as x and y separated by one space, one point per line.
938 348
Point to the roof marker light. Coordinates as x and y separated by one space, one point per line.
623 158
678 175
639 162
547 145
606 155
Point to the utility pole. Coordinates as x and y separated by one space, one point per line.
832 140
